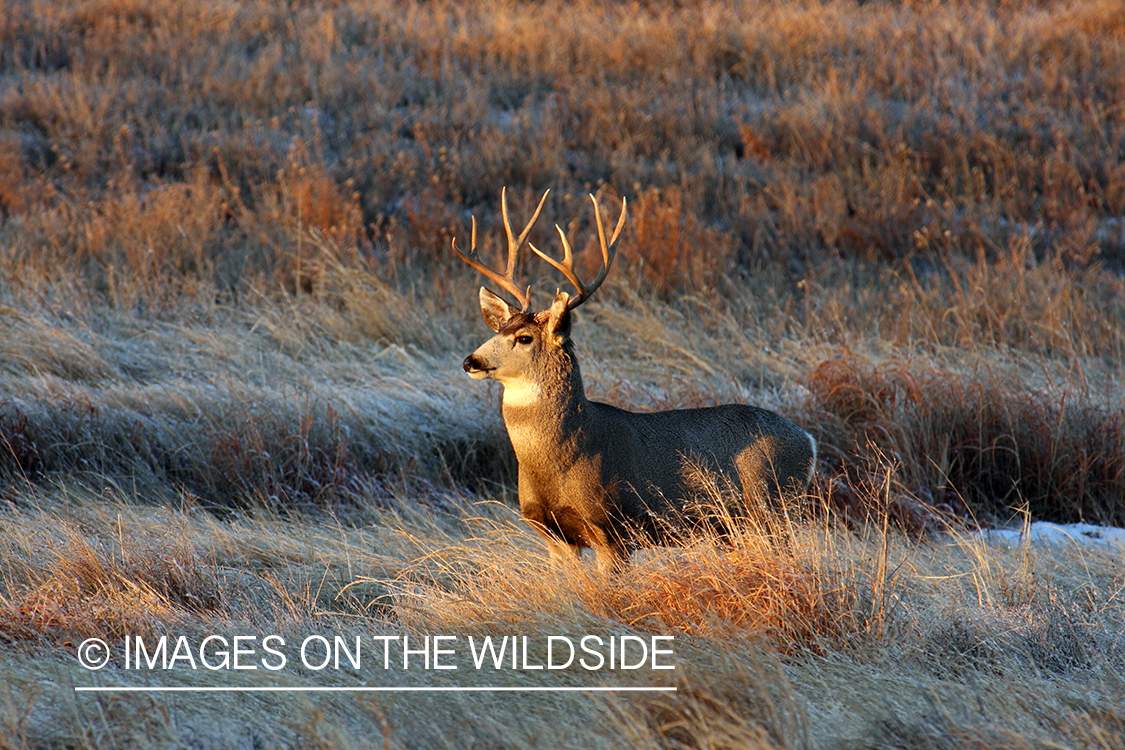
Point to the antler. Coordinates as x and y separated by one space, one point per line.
566 266
505 280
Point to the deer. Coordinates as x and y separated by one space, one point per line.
592 475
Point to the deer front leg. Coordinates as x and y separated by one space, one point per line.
612 559
537 517
562 552
610 553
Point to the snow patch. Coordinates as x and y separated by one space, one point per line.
1046 533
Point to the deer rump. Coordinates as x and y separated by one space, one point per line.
659 477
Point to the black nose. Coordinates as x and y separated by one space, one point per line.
471 363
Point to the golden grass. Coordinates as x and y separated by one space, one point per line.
231 328
185 148
833 640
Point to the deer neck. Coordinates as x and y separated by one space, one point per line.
545 412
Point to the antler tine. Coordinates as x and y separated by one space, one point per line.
609 252
514 243
566 265
507 279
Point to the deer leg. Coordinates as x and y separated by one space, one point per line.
562 552
611 559
610 553
761 490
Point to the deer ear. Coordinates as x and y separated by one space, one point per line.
495 310
558 317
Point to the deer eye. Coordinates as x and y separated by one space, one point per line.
524 339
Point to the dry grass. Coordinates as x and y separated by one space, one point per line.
985 443
835 640
183 149
231 327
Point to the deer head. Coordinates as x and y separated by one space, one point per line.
521 353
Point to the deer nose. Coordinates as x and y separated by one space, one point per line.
472 362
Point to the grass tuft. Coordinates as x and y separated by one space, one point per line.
231 329
989 445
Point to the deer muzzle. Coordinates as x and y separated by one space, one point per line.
476 366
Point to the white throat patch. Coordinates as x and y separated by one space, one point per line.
521 393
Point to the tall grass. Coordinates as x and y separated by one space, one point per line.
231 329
150 150
834 639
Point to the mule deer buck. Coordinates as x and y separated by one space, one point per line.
593 475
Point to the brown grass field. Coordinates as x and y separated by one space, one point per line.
231 328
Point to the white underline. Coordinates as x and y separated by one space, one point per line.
278 689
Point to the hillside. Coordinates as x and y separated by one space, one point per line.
232 326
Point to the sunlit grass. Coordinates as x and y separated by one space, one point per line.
231 330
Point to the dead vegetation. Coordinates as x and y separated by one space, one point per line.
834 639
231 328
187 148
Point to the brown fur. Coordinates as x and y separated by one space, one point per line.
593 475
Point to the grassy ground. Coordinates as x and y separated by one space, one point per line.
231 329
